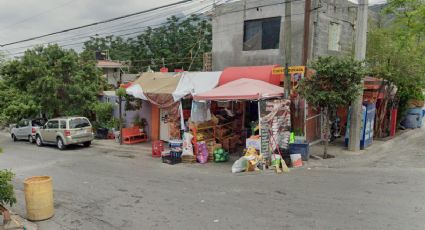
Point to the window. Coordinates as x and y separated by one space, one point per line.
261 34
52 124
334 36
38 122
22 123
78 123
62 124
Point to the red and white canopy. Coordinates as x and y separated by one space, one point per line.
241 89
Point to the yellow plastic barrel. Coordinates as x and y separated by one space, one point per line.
39 197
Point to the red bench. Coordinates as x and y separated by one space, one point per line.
133 135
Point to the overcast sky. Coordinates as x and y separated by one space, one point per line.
21 19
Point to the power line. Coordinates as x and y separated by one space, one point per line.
197 12
87 34
97 23
77 37
36 15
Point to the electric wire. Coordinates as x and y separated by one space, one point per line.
95 23
122 35
106 33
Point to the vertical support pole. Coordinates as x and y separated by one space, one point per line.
288 46
259 128
360 54
120 107
306 45
306 39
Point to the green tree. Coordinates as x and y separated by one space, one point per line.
178 43
335 83
48 80
396 52
103 113
117 48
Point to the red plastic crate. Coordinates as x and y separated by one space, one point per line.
157 148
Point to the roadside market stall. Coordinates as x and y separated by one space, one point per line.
165 91
273 114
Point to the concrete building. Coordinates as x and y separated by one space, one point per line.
251 32
111 72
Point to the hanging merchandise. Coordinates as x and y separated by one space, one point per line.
182 124
275 124
200 111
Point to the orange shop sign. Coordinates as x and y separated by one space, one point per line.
292 70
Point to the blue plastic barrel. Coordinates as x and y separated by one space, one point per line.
419 113
303 149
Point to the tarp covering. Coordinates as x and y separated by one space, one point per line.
264 73
242 89
156 87
196 82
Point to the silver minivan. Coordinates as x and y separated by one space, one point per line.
65 131
26 129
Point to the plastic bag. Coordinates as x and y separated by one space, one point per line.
240 165
187 145
202 155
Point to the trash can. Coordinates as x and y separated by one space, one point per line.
303 149
39 197
102 133
418 112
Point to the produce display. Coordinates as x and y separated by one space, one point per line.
220 155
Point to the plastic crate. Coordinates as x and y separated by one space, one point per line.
157 148
171 160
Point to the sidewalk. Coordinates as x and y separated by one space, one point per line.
129 151
345 158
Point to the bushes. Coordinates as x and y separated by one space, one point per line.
103 113
336 83
7 195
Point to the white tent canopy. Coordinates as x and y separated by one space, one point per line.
196 82
136 91
190 83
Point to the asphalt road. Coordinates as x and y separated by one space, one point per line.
112 188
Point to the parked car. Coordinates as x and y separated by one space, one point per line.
65 131
26 129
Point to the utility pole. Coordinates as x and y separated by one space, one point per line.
306 39
288 46
120 107
360 55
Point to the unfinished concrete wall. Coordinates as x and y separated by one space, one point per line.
228 31
338 12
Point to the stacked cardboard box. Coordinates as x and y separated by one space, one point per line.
188 159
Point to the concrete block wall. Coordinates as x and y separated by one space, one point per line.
228 26
337 11
228 29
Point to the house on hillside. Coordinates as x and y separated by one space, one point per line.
251 32
111 72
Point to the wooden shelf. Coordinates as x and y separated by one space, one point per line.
224 137
208 139
229 123
196 130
